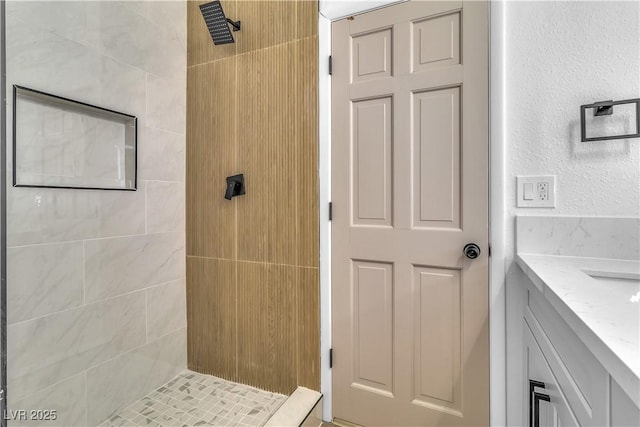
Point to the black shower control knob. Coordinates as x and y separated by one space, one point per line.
471 250
235 186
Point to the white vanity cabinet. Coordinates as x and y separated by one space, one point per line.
574 322
574 389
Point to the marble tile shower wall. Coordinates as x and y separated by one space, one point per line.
96 279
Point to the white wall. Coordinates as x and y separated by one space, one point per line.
558 56
96 279
561 55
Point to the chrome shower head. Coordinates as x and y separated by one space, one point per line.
217 23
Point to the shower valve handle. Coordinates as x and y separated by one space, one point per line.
231 187
235 186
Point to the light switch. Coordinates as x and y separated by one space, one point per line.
536 191
528 191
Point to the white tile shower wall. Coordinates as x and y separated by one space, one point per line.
166 109
40 215
164 159
96 300
165 308
67 398
125 264
130 376
50 278
165 206
48 349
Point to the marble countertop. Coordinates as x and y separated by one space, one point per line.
596 299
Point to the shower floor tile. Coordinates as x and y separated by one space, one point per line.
193 399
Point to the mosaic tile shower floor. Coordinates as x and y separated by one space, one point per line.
193 399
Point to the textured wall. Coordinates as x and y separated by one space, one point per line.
252 263
96 279
560 55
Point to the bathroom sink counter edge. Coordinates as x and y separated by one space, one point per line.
598 299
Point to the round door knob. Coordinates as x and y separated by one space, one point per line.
471 251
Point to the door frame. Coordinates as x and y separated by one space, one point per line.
329 12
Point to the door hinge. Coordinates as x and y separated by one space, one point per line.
330 358
489 249
330 65
330 211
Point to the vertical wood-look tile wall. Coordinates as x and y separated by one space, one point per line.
252 263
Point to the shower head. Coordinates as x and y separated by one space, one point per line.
217 23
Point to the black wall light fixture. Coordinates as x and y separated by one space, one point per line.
217 23
603 109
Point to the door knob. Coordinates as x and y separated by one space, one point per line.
471 251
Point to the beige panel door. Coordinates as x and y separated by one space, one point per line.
410 189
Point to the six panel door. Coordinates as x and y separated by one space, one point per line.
409 190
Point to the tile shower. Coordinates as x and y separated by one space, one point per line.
96 279
96 295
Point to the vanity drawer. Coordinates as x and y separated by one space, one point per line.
583 380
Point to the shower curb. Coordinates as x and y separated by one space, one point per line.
297 410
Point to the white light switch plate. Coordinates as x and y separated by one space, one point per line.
536 191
